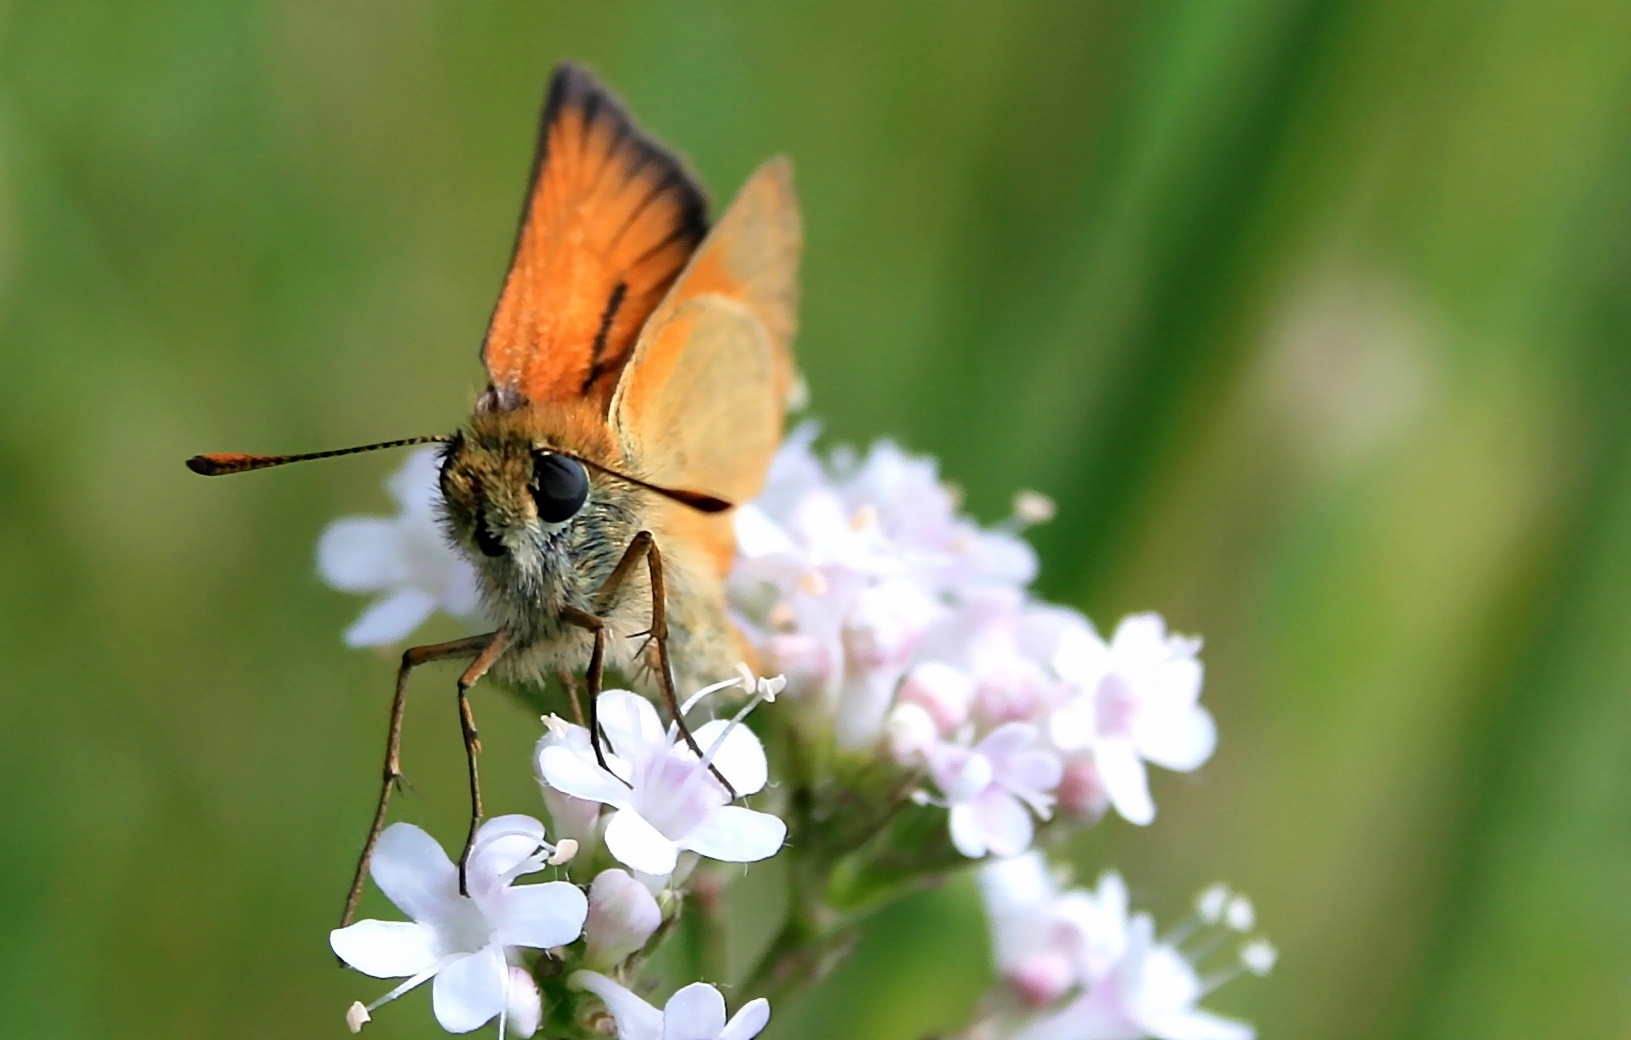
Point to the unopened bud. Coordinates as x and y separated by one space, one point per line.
525 1008
623 914
1041 979
1082 794
909 734
942 691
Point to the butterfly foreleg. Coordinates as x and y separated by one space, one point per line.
496 645
643 545
596 627
412 658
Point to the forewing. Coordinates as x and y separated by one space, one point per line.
610 221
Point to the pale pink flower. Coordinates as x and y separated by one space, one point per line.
1136 700
405 560
993 788
696 1012
464 942
664 800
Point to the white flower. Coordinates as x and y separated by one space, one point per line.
696 1012
1150 992
845 567
574 818
464 942
404 559
1136 701
1048 942
884 625
623 914
990 785
664 799
1121 982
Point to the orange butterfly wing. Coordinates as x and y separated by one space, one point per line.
611 219
702 402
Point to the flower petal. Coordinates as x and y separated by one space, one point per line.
417 485
1194 1024
736 835
1181 741
748 1022
636 1020
578 774
542 916
1140 642
414 873
1005 824
631 724
391 619
1125 781
638 844
385 949
1074 724
360 554
1007 740
696 1012
1081 657
740 757
1033 776
469 992
524 1005
966 834
502 844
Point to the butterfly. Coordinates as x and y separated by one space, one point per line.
639 367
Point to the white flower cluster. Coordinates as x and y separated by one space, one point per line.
911 650
902 626
1076 964
664 800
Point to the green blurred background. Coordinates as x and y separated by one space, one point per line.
1312 316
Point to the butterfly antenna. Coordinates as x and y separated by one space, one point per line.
222 463
701 502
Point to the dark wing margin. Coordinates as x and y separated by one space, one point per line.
611 218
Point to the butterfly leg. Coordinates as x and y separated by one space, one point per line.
411 659
569 683
494 649
644 545
597 673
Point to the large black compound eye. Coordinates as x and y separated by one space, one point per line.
560 486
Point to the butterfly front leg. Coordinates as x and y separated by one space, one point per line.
641 546
482 649
496 645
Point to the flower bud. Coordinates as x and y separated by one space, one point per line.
942 691
885 625
1081 793
1042 978
909 734
622 916
525 1009
1016 691
806 661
